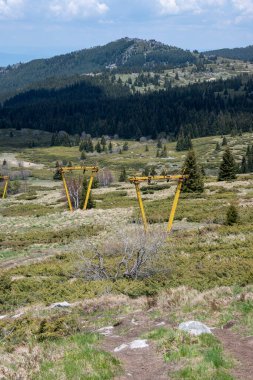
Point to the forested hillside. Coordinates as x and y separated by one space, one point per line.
124 55
244 54
200 109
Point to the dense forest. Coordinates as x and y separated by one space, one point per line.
198 110
244 54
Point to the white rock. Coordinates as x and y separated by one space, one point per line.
194 328
160 324
106 330
17 315
3 316
120 348
60 304
140 343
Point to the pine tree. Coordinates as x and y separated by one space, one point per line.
164 152
110 147
232 216
195 181
224 141
153 171
125 146
243 168
183 142
217 147
91 203
146 148
83 156
228 167
123 176
98 147
103 143
159 144
145 172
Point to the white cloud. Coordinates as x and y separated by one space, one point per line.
78 8
244 6
11 8
194 6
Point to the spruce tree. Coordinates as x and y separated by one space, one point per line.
195 181
123 176
98 147
159 144
146 148
224 141
110 147
217 147
183 142
103 143
228 167
125 146
243 168
232 216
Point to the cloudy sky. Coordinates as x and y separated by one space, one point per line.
43 28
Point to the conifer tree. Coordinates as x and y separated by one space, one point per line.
224 141
243 168
125 146
228 167
146 148
164 152
103 143
98 147
195 181
83 156
110 147
123 176
157 153
217 147
153 171
159 144
232 216
183 142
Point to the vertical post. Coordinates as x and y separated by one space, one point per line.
67 191
88 192
143 215
174 205
5 188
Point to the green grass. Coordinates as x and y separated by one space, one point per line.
197 357
80 359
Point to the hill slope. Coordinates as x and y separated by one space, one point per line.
123 54
244 54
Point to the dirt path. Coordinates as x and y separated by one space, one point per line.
241 350
138 363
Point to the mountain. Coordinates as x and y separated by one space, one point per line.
244 54
123 55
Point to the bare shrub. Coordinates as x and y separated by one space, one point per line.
75 190
105 177
132 252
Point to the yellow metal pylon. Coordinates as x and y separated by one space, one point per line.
137 180
67 169
6 183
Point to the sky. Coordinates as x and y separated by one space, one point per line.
31 29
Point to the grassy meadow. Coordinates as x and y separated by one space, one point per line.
203 271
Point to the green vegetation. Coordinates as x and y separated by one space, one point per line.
201 357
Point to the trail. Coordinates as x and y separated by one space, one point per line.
140 363
241 349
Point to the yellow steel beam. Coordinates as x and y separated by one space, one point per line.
6 179
158 178
143 215
88 192
67 191
174 205
65 169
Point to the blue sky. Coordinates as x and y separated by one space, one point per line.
43 28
